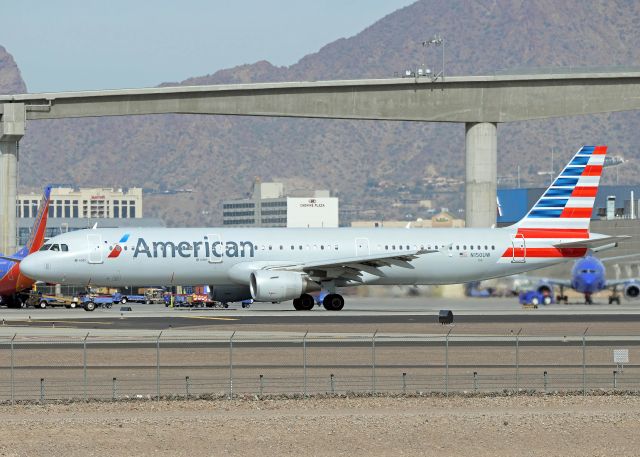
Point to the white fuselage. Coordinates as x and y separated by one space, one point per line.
223 256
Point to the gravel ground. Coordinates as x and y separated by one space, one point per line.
495 426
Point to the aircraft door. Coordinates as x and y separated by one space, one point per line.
94 241
216 248
362 247
519 251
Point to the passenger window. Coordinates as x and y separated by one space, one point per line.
400 247
300 247
493 248
486 248
408 248
464 247
322 247
386 247
457 247
393 247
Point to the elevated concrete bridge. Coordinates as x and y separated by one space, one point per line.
480 102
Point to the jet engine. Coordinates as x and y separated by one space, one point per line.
632 291
277 286
230 294
545 289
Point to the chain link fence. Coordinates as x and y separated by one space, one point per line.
114 368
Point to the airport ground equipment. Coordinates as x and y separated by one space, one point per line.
42 301
534 297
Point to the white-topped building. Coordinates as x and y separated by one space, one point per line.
270 207
85 203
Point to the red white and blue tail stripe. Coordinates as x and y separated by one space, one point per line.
564 210
557 227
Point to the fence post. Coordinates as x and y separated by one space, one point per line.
42 390
84 366
261 384
545 381
158 366
187 381
13 393
113 389
231 365
475 381
518 360
373 362
304 364
332 384
584 362
615 379
404 383
446 362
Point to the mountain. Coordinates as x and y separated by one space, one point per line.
10 79
370 165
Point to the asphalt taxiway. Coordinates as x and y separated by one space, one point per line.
415 314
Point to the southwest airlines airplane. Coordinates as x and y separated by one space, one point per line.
588 276
275 264
12 281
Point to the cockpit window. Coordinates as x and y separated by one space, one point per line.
55 247
64 248
45 247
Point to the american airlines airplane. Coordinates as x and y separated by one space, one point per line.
275 264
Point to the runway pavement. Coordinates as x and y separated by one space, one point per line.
415 314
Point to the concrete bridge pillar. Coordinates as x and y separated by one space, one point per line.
12 126
481 142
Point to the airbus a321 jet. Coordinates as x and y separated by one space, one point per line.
12 281
276 264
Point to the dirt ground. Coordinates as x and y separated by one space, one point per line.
419 426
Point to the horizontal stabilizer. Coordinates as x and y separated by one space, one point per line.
10 259
594 242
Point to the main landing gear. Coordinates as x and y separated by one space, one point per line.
304 303
331 302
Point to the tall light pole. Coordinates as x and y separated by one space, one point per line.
437 40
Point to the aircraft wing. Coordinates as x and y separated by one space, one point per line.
351 268
619 257
619 282
550 281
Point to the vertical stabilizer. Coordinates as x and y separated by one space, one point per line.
564 210
39 226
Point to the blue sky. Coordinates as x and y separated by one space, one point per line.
96 44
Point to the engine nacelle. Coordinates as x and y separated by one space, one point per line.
277 286
230 294
632 291
545 289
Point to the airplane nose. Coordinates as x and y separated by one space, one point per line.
30 267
